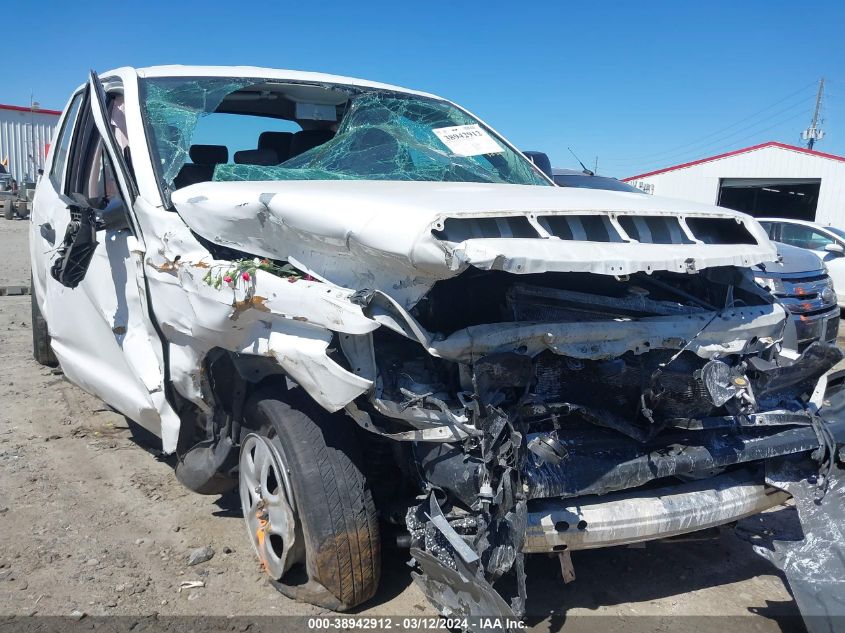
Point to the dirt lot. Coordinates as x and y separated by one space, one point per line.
91 521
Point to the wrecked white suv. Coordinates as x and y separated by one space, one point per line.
374 315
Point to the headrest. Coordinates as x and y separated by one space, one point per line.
256 157
209 154
278 141
306 139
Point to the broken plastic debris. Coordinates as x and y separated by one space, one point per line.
190 584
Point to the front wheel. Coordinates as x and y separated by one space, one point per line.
41 350
308 510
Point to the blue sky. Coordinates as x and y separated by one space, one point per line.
640 85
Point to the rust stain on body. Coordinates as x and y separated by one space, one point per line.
256 302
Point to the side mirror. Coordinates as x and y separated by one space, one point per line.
835 247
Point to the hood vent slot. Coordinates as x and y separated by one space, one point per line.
461 229
584 228
720 231
654 229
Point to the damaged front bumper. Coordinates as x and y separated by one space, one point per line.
715 482
607 493
634 516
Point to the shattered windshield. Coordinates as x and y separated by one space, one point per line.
347 133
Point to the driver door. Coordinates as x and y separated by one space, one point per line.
100 326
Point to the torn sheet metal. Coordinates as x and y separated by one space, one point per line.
815 565
266 317
302 355
372 234
291 320
457 593
707 334
728 334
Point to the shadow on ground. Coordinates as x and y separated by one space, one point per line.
663 569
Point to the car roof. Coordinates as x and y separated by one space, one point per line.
260 73
558 171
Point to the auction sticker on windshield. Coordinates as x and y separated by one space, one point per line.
467 140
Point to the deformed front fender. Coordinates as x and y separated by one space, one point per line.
301 353
291 320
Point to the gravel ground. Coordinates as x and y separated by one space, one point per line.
92 520
14 253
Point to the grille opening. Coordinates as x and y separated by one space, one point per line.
461 229
654 229
720 231
590 228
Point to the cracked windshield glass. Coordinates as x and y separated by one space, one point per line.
212 129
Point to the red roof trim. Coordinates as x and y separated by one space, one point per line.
27 109
794 148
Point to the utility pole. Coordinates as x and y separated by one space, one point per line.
32 136
813 133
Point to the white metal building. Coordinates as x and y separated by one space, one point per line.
771 179
25 137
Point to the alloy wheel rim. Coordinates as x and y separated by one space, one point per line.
267 504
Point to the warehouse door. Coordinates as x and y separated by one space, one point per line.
794 198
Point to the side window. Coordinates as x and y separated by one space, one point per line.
63 142
819 240
804 237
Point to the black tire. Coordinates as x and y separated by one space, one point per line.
334 504
41 350
9 210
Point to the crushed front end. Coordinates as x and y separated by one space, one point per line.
564 411
535 381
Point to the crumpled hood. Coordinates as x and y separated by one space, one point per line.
401 237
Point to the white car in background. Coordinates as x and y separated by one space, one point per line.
828 242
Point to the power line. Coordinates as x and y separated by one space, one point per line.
721 140
699 146
712 134
738 143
